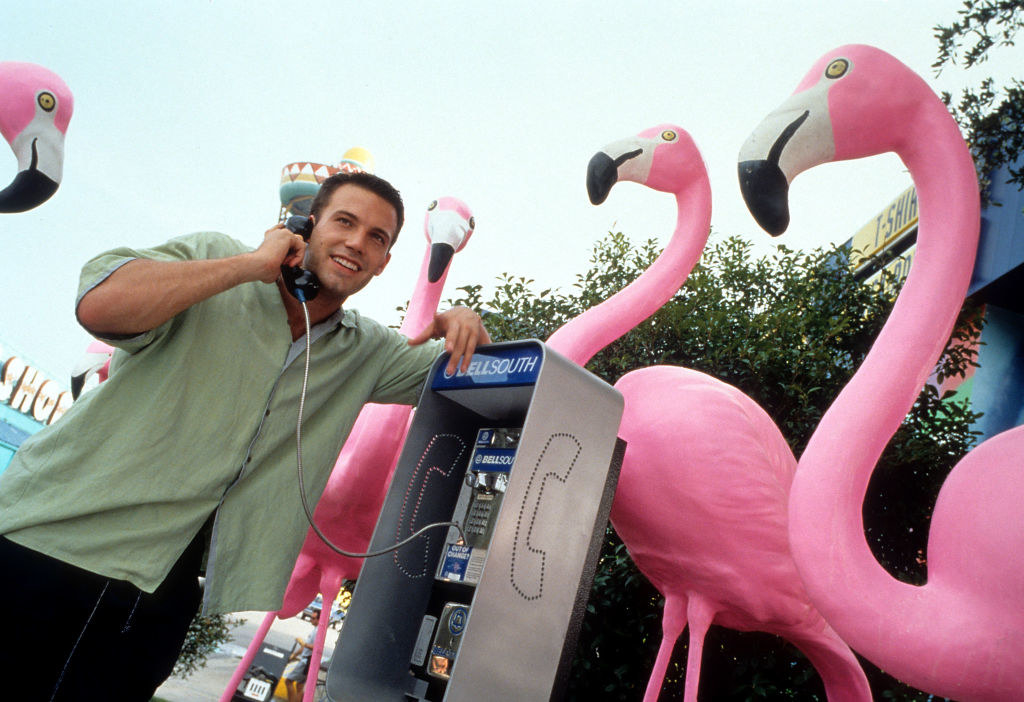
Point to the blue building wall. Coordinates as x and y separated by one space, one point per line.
998 280
29 400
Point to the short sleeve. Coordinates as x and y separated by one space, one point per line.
191 247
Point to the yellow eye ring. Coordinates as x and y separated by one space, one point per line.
47 101
837 69
472 223
432 205
668 135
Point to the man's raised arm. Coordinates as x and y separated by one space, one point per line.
143 293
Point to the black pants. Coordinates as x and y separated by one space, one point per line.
69 634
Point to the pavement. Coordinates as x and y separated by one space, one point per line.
209 683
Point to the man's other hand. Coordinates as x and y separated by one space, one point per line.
462 330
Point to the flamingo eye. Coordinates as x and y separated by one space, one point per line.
668 135
47 101
472 223
837 69
432 205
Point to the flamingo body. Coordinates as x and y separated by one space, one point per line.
702 494
960 634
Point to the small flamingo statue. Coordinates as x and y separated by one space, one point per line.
702 495
348 508
961 634
95 361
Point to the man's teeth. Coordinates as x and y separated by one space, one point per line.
347 264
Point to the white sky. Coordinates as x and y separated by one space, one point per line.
186 111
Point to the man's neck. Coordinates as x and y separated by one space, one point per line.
319 309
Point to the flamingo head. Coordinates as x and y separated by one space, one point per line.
663 158
96 361
856 101
35 108
447 225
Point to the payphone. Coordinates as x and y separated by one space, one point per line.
522 452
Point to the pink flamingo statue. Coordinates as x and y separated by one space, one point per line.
35 108
702 496
348 508
961 634
95 361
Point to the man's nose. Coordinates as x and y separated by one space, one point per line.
357 240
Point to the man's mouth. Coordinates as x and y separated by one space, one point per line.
345 263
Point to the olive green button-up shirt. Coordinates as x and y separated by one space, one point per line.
198 417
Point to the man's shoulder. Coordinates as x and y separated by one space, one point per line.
379 335
210 244
353 319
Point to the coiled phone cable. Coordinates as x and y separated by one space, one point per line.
302 487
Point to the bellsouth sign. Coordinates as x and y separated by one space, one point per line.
28 391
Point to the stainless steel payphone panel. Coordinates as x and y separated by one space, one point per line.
522 451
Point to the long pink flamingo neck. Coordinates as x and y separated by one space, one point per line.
424 301
826 527
582 337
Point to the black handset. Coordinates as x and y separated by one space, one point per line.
302 284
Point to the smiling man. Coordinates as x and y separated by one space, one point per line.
189 446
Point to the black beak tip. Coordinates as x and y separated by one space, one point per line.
440 257
766 191
601 176
29 189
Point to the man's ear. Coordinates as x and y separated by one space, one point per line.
380 268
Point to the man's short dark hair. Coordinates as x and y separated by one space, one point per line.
367 181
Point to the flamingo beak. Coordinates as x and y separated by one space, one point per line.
602 174
603 170
33 186
440 256
447 231
765 189
763 182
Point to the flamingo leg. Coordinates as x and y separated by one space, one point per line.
318 646
699 613
673 621
839 669
247 659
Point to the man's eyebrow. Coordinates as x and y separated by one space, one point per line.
340 211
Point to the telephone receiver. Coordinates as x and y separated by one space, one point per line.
302 284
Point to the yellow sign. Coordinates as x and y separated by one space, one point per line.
890 279
344 599
892 223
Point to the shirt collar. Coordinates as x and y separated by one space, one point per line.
348 318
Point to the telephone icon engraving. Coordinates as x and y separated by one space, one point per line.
529 549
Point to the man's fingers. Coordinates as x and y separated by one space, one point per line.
296 251
463 341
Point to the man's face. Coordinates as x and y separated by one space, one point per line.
350 240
